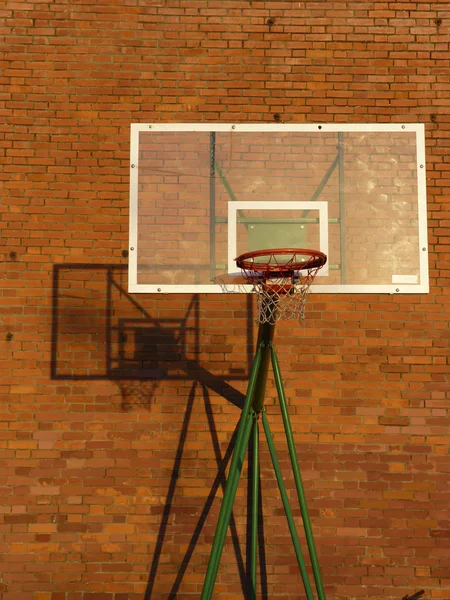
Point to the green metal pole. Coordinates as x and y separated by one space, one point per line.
297 477
287 508
232 482
225 181
225 511
255 507
266 333
342 212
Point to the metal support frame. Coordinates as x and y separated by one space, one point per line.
215 167
212 206
249 422
341 175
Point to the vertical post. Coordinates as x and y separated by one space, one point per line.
212 206
265 336
287 508
343 260
297 477
266 332
227 507
255 508
242 438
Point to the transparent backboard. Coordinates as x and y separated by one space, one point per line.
201 194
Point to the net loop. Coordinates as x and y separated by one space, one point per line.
281 279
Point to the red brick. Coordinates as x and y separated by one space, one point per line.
100 471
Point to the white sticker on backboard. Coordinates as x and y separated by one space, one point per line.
405 279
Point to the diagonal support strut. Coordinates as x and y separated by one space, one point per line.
253 409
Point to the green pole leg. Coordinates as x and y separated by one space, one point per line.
297 477
266 332
242 438
287 508
255 507
225 511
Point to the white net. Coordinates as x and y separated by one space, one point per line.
281 298
281 283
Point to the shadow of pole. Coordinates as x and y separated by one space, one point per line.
170 494
262 550
220 480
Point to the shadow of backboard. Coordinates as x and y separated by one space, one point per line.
99 331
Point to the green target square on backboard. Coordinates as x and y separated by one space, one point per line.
272 224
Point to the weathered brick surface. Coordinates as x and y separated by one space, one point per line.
118 411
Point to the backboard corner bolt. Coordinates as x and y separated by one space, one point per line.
131 248
403 126
397 289
133 166
159 289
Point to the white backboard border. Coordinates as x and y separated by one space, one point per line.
406 288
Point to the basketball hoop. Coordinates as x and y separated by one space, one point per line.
281 279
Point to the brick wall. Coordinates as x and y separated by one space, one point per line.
117 410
